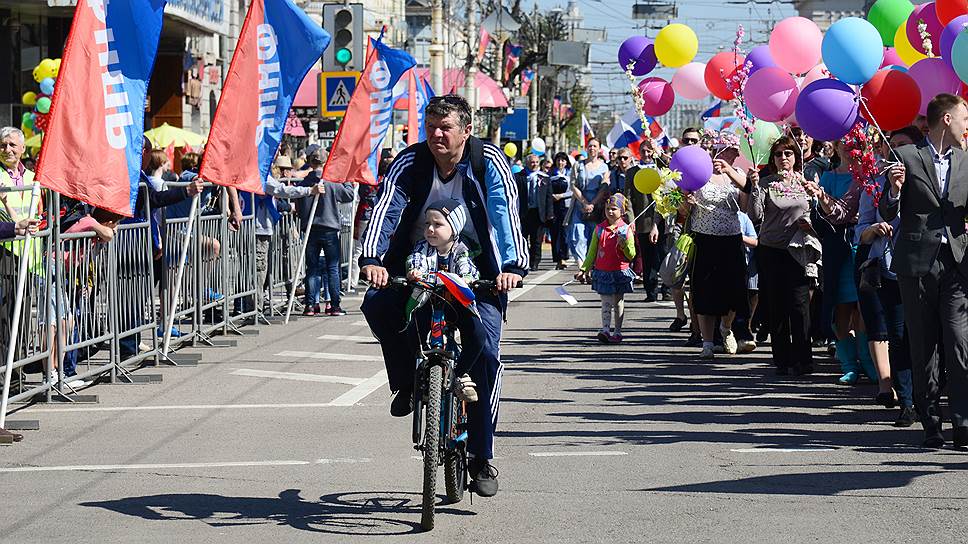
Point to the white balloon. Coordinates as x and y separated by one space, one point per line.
538 145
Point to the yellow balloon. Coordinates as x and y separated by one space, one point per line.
510 149
29 98
647 180
57 63
44 70
676 45
904 49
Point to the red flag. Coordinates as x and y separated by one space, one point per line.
482 44
413 130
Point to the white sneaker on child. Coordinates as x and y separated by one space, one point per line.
465 389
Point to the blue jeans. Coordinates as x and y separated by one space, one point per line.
323 269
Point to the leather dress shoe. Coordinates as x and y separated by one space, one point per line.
960 437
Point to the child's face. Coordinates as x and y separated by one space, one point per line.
613 214
436 229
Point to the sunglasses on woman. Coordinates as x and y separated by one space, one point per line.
786 153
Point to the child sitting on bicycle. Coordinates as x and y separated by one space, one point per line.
610 252
442 250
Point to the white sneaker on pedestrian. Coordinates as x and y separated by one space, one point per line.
465 389
144 347
729 342
707 353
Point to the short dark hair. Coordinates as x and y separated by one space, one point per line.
911 131
561 156
189 161
784 143
689 129
940 105
444 105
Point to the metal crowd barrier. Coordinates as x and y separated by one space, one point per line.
347 219
241 293
284 257
186 313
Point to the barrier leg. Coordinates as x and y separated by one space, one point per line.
302 256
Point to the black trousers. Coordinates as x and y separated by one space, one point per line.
787 290
936 315
559 240
650 262
534 232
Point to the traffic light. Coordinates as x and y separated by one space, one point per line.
344 22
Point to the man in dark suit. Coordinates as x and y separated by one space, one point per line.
536 205
646 224
929 189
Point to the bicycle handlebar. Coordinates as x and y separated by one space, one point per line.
401 281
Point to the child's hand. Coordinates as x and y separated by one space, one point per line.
580 276
414 275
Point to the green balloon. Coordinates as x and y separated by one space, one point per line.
887 16
43 105
764 134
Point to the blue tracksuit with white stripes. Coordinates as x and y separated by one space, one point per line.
491 197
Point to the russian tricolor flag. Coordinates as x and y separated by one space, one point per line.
629 132
92 146
278 45
459 289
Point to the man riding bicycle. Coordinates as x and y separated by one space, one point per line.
451 164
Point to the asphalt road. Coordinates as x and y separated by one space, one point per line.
286 438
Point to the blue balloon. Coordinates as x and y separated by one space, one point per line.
47 86
516 168
897 67
959 56
852 50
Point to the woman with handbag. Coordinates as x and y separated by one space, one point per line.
560 174
779 202
589 186
719 266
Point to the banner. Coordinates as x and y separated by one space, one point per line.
278 45
356 149
92 146
420 94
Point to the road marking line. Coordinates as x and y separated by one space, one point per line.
781 450
343 461
348 338
67 468
576 453
169 408
297 376
329 356
360 392
361 323
531 284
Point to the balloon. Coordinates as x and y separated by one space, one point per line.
764 134
891 98
44 70
47 86
817 72
934 78
926 13
695 165
647 180
948 35
658 96
949 10
891 58
676 45
639 49
516 168
720 69
510 149
898 67
57 65
689 83
887 15
759 58
29 98
904 49
958 60
795 44
43 105
852 50
827 109
27 120
771 94
538 146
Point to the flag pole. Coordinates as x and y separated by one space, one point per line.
302 256
179 276
17 306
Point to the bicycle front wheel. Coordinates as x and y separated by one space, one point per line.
431 446
455 459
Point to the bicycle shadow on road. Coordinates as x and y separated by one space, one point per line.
381 513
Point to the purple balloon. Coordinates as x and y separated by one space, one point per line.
934 77
948 35
695 165
760 57
827 109
642 51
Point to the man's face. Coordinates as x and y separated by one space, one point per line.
805 141
11 149
532 163
646 153
689 138
958 121
624 160
612 154
445 135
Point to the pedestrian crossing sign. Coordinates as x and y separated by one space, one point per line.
335 90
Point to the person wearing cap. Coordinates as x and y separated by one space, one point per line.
441 250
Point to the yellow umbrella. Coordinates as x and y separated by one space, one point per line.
166 135
34 141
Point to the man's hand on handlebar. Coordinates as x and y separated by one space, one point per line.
506 281
378 276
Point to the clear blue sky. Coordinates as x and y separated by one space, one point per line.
714 22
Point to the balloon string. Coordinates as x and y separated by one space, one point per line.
873 120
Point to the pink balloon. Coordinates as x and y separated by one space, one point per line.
742 163
689 81
934 77
795 44
817 72
771 94
891 58
935 28
658 96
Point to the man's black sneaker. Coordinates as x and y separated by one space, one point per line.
336 311
694 341
907 418
483 477
402 403
677 324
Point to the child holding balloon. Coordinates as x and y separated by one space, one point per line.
607 265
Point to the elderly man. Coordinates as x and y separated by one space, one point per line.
14 174
450 164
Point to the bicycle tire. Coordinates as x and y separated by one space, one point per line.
455 461
431 446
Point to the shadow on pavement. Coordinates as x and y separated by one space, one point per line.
379 513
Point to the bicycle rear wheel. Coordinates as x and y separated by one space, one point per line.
431 446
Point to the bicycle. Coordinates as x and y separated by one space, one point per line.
435 404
